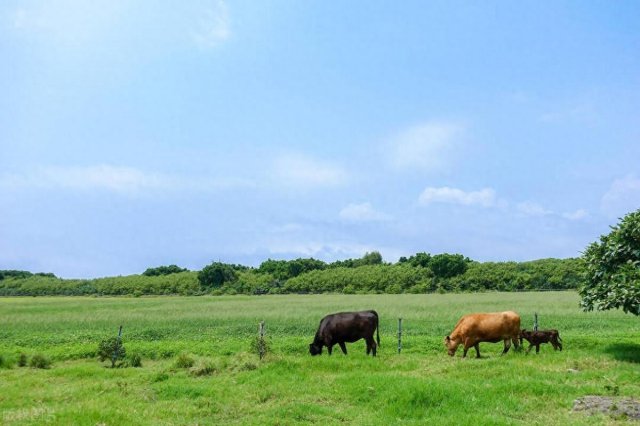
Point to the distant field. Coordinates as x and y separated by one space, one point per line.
421 386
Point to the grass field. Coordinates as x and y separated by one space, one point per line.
420 386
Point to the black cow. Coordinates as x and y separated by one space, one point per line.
535 338
346 327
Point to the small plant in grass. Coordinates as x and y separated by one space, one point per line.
134 360
260 346
22 360
3 362
204 367
111 349
184 360
40 361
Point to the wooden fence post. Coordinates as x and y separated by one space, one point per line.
261 348
117 348
399 335
535 321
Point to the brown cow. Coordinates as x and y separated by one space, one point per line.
535 338
484 327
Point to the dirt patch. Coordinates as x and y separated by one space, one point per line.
616 407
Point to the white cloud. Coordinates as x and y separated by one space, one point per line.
363 212
529 208
576 215
302 171
117 179
214 27
427 146
622 197
320 249
485 197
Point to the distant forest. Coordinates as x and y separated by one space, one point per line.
421 273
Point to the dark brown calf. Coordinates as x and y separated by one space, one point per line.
535 338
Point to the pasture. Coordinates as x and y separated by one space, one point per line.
422 385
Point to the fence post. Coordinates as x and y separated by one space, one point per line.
115 351
399 335
261 339
535 322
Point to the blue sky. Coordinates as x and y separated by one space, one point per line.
138 134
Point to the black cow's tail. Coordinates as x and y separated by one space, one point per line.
377 327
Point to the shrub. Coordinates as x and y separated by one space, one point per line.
134 360
40 361
204 367
22 360
111 349
184 360
260 346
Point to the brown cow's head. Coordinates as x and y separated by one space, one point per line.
452 345
315 349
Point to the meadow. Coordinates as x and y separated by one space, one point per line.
229 384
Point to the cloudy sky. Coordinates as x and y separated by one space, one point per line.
145 133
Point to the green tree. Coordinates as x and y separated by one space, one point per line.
216 274
448 265
163 270
613 268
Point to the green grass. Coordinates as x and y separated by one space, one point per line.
228 384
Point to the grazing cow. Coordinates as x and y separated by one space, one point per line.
484 327
535 338
346 327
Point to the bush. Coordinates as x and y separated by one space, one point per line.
40 361
184 360
134 360
22 360
260 346
204 367
111 349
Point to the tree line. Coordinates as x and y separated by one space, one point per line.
420 273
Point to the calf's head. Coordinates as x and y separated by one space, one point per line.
451 345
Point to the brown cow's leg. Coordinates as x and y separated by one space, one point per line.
507 345
343 347
464 353
517 343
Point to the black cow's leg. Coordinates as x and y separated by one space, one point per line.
343 347
538 348
477 346
329 349
371 346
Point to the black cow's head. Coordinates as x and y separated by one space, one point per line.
315 349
